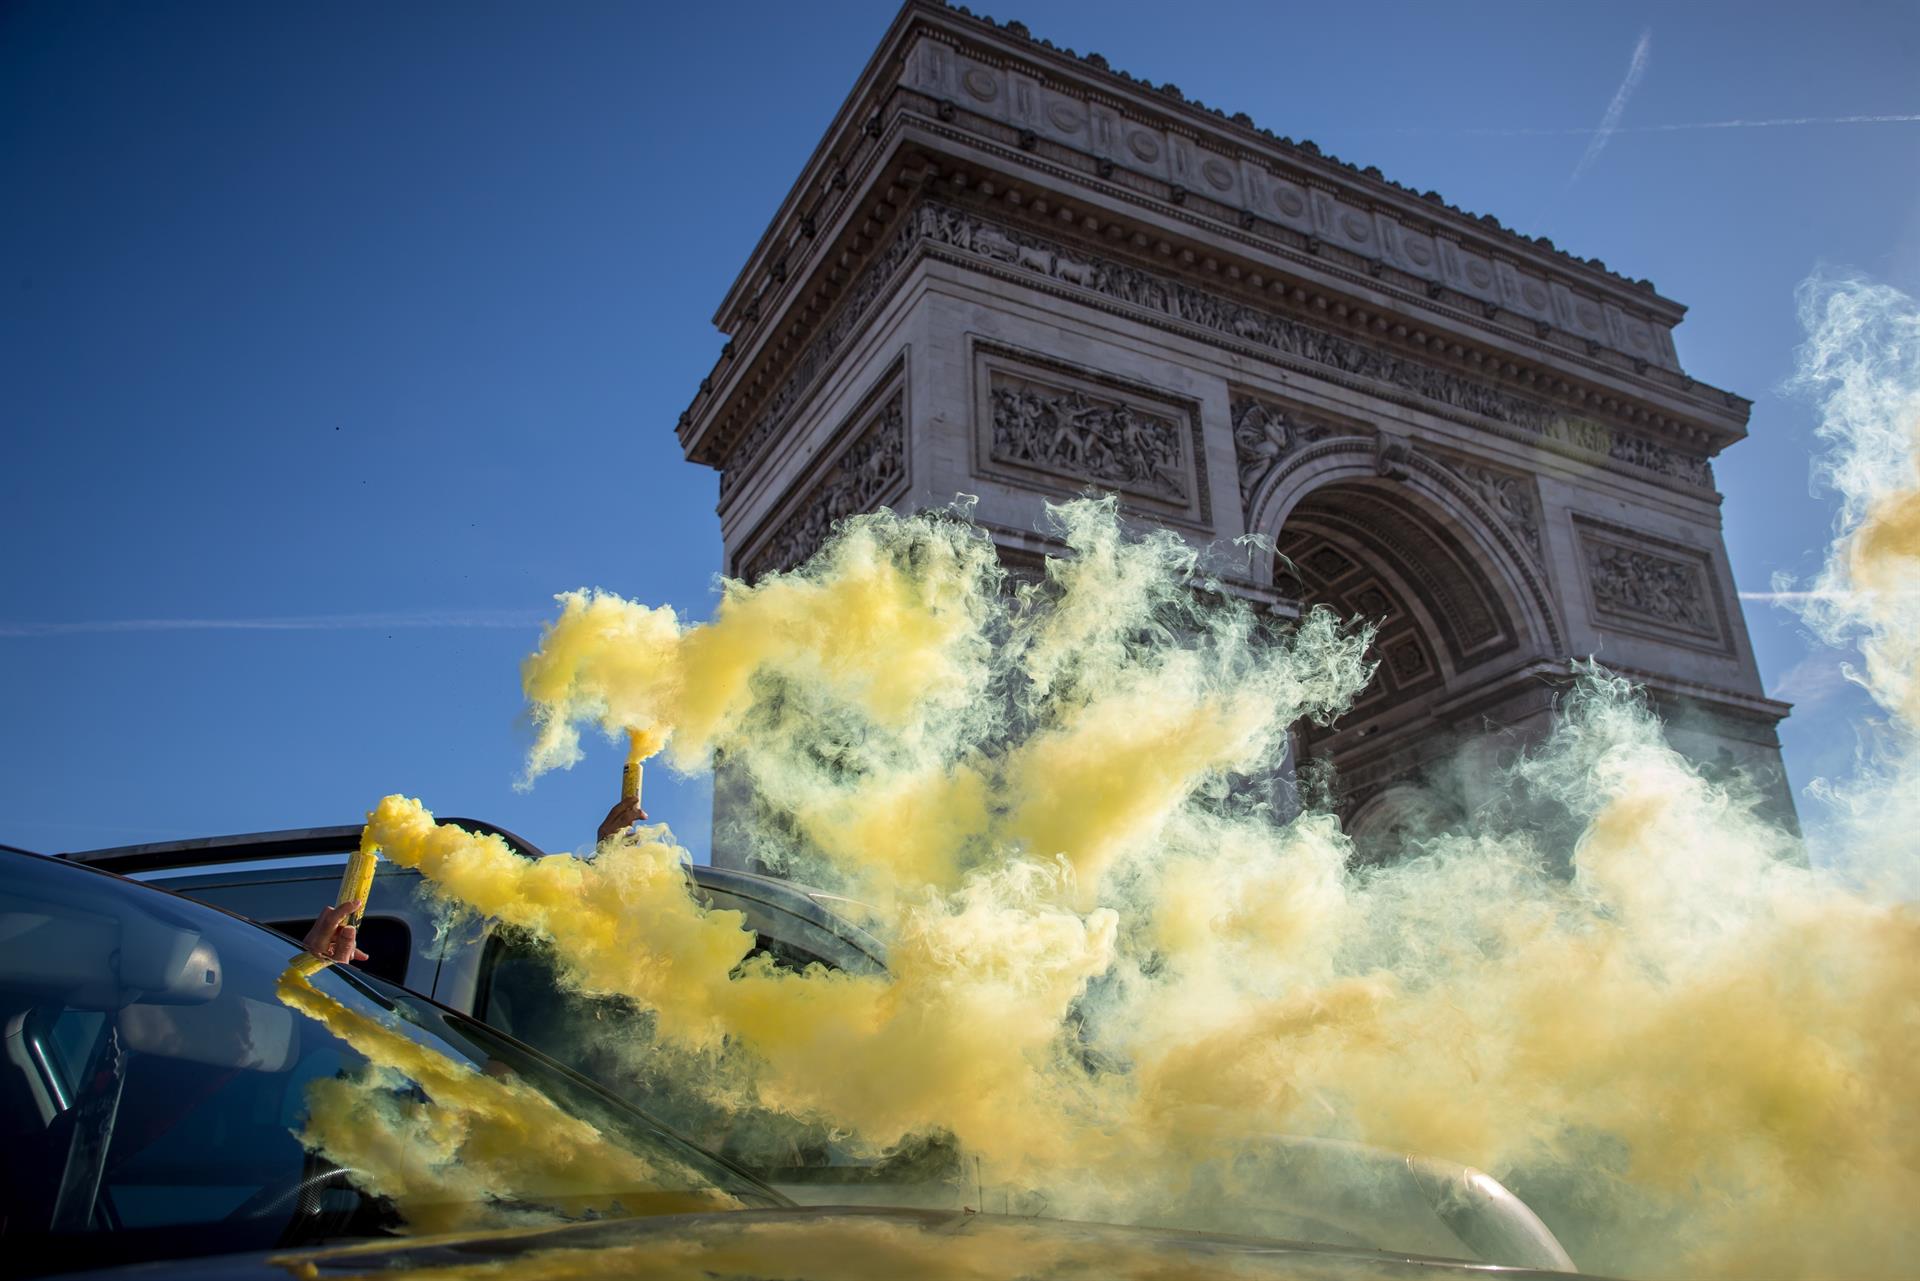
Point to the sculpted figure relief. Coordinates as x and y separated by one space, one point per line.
1508 496
1627 580
1642 452
1073 434
859 481
1262 435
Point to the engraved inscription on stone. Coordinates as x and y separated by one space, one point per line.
1639 584
1073 434
862 478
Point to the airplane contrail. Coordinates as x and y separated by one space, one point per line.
1773 122
1795 597
1610 122
1790 598
501 619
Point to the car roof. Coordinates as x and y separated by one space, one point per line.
250 845
803 901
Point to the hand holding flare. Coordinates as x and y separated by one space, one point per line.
640 745
335 931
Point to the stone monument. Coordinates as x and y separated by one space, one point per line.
1014 272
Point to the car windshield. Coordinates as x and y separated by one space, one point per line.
180 1081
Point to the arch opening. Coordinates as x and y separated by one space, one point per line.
1370 549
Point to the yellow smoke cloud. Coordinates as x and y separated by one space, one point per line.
884 636
480 1150
1862 359
1115 975
881 1055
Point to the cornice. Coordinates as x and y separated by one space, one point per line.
819 193
824 249
1268 252
1755 707
715 424
1166 99
1197 161
859 177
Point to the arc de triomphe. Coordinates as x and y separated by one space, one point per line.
1011 271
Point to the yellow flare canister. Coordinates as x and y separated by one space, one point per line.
357 882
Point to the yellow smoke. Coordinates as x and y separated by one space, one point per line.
1115 975
883 636
881 1055
644 743
480 1149
1862 358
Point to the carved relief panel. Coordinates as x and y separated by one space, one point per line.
1052 426
1509 496
1266 431
868 471
1651 587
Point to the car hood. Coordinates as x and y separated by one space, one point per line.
829 1244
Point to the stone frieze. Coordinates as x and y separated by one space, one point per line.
860 480
1070 433
1649 585
969 232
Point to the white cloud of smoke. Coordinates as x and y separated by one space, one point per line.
1115 970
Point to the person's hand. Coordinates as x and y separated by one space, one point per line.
621 817
332 937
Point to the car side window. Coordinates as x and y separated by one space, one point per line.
610 1039
518 983
793 943
520 992
787 955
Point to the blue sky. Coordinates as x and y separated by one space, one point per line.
371 322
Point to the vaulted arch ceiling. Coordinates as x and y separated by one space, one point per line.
1380 554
